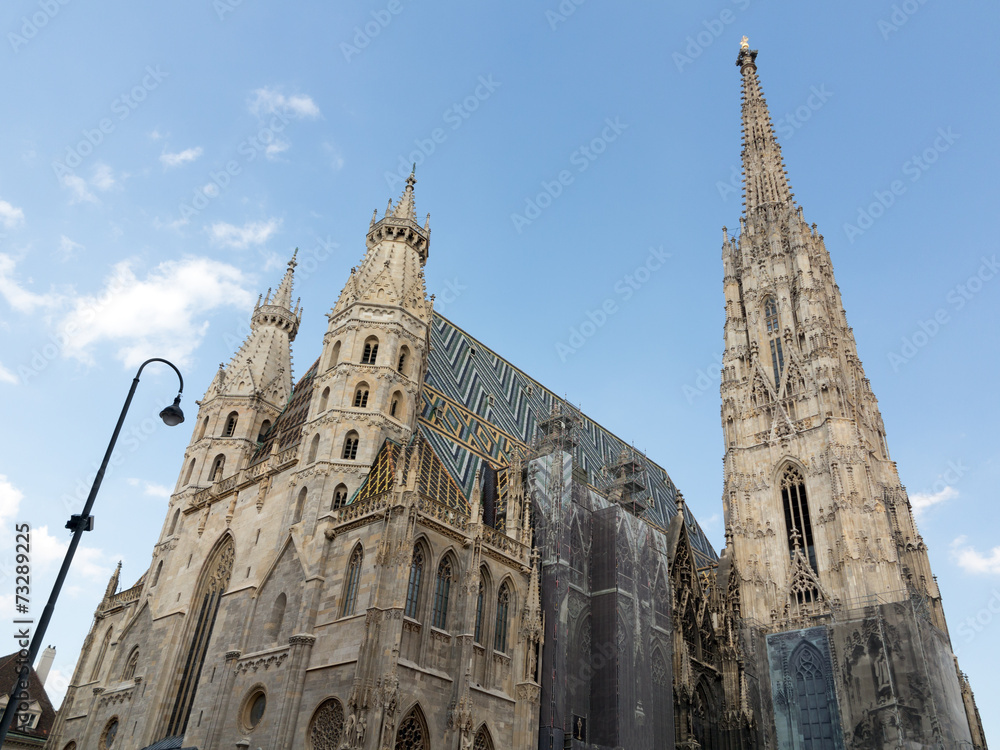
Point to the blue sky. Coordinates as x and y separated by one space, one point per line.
161 161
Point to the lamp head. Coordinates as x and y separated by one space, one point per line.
172 415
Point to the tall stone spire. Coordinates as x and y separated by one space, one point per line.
807 466
764 177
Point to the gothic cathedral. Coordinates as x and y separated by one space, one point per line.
416 546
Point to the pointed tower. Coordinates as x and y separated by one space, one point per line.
822 530
375 350
248 394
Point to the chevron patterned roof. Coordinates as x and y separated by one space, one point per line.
478 406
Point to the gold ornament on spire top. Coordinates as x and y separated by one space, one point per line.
744 43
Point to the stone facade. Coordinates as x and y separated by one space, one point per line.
418 546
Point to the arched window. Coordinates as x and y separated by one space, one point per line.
480 606
361 396
774 337
350 446
300 503
396 406
156 574
351 583
812 698
483 739
324 399
190 471
370 354
339 497
326 728
503 612
265 426
96 671
203 613
130 665
272 629
173 522
412 732
441 590
797 523
231 421
218 466
413 587
201 430
404 356
313 448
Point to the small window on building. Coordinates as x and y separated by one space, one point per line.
361 397
265 427
324 399
313 448
503 612
441 591
413 586
350 446
339 497
351 583
130 665
231 421
370 354
218 467
404 356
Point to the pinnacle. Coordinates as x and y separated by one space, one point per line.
405 208
283 297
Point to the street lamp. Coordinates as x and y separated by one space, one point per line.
171 416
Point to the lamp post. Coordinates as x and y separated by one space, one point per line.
171 416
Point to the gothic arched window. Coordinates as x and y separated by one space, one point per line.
300 504
231 421
335 355
361 396
370 354
190 471
396 405
797 523
812 698
96 671
339 496
130 665
313 448
272 629
327 726
264 427
173 522
324 399
443 587
351 584
413 586
483 739
412 732
403 357
480 603
774 338
350 446
503 612
203 612
218 466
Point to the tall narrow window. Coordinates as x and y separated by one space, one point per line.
503 611
361 397
335 355
441 594
324 399
300 505
774 338
339 497
396 405
403 357
350 446
231 421
797 523
370 354
190 471
412 732
201 430
351 584
130 665
218 466
813 704
413 587
264 427
95 673
480 603
313 448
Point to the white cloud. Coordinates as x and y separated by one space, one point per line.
971 560
149 488
6 376
89 563
67 247
10 216
162 315
16 295
156 134
336 160
10 501
921 501
251 233
78 186
268 101
104 178
276 147
181 157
